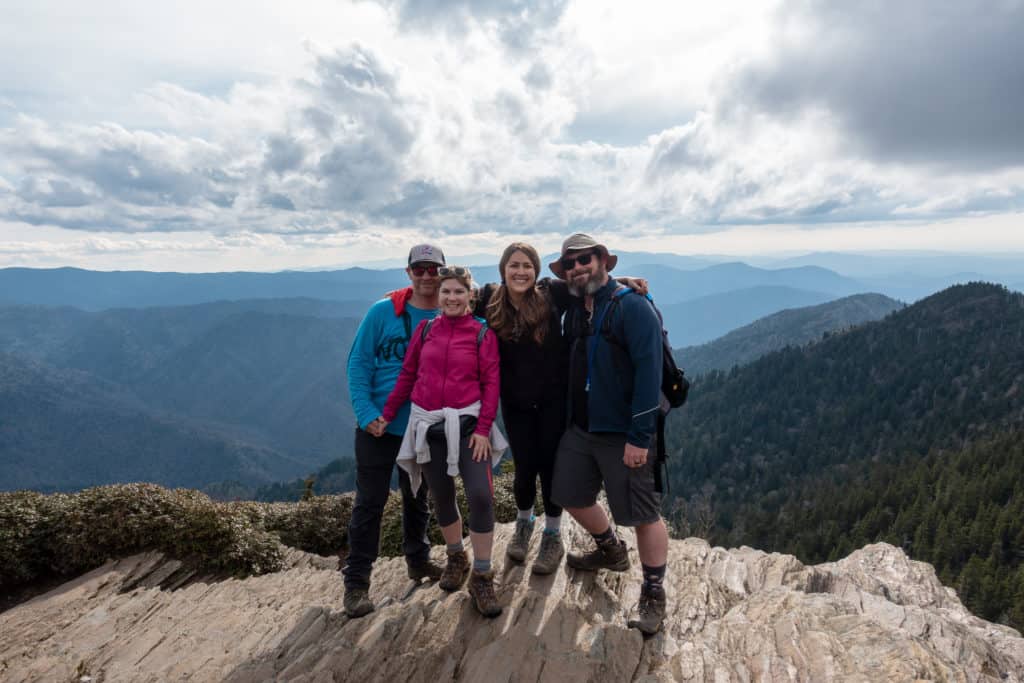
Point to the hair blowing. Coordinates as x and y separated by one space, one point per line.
531 317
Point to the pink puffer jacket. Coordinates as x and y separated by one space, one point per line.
448 370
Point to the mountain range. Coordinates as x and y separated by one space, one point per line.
242 377
789 327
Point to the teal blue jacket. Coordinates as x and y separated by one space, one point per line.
376 358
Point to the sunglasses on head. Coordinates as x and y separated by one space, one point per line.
569 262
456 271
420 271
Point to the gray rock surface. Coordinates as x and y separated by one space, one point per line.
734 615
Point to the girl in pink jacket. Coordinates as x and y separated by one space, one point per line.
451 372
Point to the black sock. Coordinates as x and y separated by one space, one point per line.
653 576
606 536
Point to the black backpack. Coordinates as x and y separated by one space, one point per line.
675 388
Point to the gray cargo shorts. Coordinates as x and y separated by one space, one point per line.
585 461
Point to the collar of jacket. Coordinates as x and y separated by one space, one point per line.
456 321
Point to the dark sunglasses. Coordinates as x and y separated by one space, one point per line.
453 271
420 271
569 262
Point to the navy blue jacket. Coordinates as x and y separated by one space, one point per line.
625 377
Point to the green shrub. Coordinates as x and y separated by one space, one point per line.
66 534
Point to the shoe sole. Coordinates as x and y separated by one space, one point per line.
356 614
638 627
620 567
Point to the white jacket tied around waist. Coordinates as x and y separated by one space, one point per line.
415 452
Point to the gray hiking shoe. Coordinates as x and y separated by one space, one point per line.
520 543
651 610
481 589
357 602
613 555
425 570
550 555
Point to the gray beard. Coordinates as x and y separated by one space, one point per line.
590 288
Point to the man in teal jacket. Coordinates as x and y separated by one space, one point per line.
615 366
373 366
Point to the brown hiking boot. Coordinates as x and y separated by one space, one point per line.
481 589
651 610
613 555
550 555
425 570
357 602
455 571
520 543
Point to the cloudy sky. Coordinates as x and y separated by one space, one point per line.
192 135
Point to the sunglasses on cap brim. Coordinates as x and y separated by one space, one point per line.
452 271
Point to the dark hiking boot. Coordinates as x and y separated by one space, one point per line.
520 543
481 589
357 602
455 571
651 610
550 555
427 569
613 555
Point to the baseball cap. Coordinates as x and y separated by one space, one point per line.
426 253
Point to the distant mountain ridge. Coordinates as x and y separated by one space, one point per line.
708 317
789 327
65 429
240 373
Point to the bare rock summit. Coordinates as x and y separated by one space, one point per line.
734 615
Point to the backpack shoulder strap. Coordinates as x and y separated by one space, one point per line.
426 330
407 323
480 334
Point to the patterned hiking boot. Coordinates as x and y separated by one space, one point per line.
455 572
425 570
357 602
520 543
550 555
613 555
481 589
651 610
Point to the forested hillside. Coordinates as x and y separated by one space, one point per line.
65 429
242 374
754 444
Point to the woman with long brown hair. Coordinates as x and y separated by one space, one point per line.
525 313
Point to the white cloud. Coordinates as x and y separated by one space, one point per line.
462 117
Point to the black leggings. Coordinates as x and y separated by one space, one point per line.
533 434
476 477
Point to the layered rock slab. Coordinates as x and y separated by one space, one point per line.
734 615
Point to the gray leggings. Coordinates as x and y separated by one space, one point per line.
477 478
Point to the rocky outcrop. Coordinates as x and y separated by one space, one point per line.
734 615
